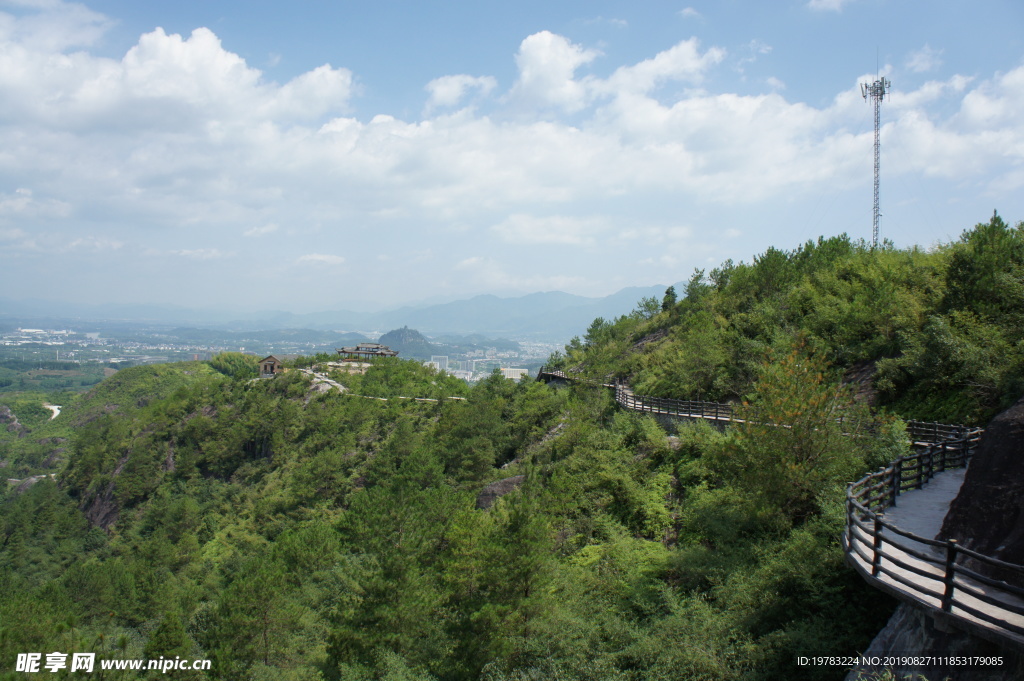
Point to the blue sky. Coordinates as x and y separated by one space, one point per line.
325 155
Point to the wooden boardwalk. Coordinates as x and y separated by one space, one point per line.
893 517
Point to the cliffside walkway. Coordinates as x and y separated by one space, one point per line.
922 434
892 517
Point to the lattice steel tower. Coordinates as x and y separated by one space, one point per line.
876 91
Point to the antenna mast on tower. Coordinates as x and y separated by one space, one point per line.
876 91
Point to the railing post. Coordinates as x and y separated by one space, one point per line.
849 517
947 594
897 480
876 545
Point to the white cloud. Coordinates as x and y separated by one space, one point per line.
657 235
56 26
94 244
23 204
165 83
618 23
925 59
556 229
689 13
201 254
269 228
448 91
547 66
827 5
320 259
682 61
927 93
181 142
755 49
233 150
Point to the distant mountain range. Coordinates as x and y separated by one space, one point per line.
552 316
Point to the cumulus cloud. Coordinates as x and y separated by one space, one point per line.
232 149
547 66
682 61
448 91
182 139
165 82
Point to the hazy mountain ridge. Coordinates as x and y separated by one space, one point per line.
552 315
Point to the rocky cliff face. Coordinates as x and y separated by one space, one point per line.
911 632
988 514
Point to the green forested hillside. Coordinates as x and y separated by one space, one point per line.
940 329
285 533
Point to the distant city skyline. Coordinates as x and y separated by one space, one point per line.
342 155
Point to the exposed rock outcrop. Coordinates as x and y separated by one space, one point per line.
494 491
913 633
988 514
8 419
648 339
101 510
861 377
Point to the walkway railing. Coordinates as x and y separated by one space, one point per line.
920 432
715 411
925 570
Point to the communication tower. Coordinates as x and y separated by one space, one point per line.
876 91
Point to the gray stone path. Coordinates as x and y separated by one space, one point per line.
922 511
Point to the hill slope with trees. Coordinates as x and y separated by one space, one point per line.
941 330
286 533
